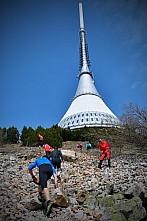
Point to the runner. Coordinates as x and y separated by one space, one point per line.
46 170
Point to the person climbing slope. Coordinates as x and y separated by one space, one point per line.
40 140
48 149
104 146
56 159
46 170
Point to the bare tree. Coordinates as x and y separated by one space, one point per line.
135 124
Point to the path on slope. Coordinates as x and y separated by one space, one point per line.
78 176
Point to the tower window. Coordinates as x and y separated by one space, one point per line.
86 119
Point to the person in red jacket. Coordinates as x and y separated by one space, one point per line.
104 146
48 149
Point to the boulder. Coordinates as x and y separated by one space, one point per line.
59 198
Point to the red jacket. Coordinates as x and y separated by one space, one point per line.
104 145
47 147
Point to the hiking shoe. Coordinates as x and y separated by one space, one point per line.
48 210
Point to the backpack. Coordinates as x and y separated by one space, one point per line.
55 154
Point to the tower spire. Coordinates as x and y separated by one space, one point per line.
86 81
84 57
87 107
81 16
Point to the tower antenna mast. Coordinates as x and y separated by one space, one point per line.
84 56
81 16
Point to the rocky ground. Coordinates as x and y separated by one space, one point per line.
85 192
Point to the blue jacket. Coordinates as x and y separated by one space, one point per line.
41 161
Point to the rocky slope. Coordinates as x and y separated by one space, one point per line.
84 193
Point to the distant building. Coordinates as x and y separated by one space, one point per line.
87 107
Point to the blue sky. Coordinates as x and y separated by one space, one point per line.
39 57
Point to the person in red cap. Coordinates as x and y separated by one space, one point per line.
104 146
48 149
40 140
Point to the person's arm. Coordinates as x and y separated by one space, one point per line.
55 176
61 156
102 145
33 176
30 168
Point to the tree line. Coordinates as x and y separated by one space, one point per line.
133 131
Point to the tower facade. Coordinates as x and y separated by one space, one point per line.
87 107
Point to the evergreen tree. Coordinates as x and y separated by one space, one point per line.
12 135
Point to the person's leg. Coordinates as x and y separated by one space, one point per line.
48 203
40 193
109 165
45 172
101 160
41 143
39 188
44 169
100 164
46 194
108 157
58 166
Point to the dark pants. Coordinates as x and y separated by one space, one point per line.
45 173
41 143
56 163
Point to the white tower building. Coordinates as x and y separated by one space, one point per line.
87 107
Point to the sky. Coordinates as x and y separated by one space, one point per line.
39 57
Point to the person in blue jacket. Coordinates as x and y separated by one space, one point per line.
46 170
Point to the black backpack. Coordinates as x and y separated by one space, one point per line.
55 154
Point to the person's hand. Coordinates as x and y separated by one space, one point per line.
34 179
55 181
56 185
